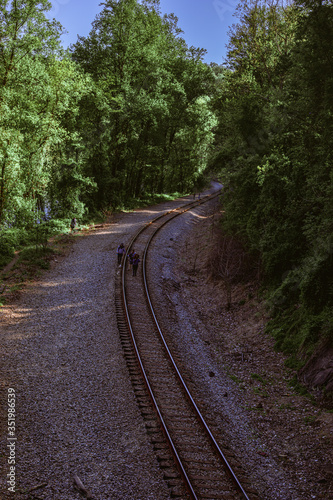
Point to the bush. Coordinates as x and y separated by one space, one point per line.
16 238
6 246
45 230
37 258
57 226
95 216
11 239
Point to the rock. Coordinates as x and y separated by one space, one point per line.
318 371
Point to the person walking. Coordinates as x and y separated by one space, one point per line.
120 253
136 261
131 257
73 224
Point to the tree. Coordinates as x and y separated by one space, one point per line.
38 86
274 103
148 102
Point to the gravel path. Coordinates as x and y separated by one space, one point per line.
75 409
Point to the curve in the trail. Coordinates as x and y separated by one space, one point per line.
136 298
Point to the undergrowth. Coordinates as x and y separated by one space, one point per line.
23 238
33 257
146 200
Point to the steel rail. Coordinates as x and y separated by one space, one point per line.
143 372
198 413
178 211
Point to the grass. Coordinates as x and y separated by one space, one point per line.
235 379
258 377
38 235
33 257
299 388
32 262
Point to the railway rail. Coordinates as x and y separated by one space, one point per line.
203 470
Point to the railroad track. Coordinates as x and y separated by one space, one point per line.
194 464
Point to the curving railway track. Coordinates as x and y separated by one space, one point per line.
194 464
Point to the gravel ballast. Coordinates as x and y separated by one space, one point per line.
76 413
283 441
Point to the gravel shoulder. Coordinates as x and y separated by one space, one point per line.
76 413
283 441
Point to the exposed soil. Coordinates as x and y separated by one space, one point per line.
291 436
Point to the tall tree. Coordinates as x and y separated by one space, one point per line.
36 89
274 102
147 81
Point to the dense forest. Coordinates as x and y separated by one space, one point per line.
131 112
274 149
123 113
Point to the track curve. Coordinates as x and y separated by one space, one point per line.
203 467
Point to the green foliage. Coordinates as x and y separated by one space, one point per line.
16 237
6 246
36 258
123 116
41 159
36 237
274 148
57 226
11 240
147 121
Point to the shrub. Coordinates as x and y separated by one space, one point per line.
8 242
6 246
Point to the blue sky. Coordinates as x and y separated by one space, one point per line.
205 22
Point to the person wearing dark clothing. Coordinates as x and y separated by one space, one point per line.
136 261
120 253
73 224
131 257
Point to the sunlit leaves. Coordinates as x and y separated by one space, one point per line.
149 82
37 92
275 143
